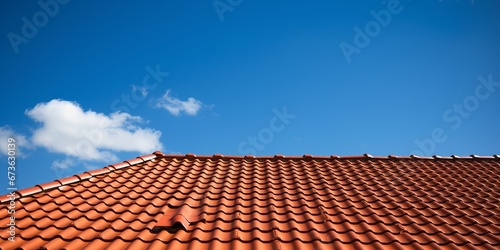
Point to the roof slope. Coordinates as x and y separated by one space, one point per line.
162 201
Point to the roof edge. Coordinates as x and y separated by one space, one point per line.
76 178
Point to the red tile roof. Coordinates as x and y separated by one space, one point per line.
162 201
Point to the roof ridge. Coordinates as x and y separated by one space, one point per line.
308 156
78 177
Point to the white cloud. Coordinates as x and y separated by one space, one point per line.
141 89
176 106
90 167
20 141
86 135
69 162
63 164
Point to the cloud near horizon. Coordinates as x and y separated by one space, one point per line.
87 135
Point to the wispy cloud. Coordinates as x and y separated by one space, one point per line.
70 162
141 89
87 135
21 141
63 164
175 106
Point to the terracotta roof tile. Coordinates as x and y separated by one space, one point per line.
160 201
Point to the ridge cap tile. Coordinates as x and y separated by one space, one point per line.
158 153
29 191
487 157
121 165
294 157
148 157
354 157
110 168
48 185
98 171
218 156
68 180
427 157
134 161
83 176
6 197
366 155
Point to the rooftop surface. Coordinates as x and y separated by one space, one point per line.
160 201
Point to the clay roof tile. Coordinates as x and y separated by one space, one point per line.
160 201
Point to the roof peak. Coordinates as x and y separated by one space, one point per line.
309 156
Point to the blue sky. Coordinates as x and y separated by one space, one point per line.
84 85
